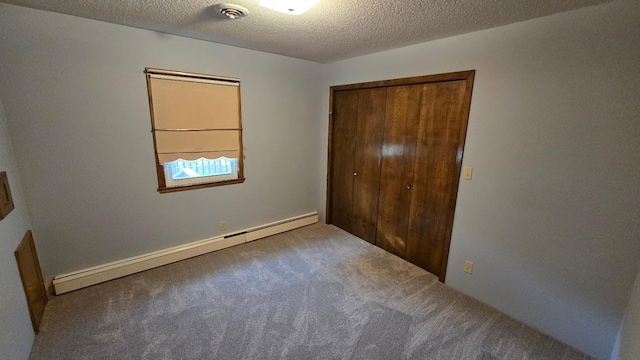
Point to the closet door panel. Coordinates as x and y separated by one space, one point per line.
437 169
345 122
398 157
366 182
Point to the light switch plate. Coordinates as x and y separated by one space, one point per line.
468 267
468 172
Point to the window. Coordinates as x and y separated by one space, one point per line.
197 131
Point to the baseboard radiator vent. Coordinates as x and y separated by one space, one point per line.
113 270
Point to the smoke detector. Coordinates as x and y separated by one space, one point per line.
232 11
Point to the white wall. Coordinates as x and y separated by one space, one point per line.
16 333
551 217
630 331
76 103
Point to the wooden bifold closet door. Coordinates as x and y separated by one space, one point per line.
359 120
395 155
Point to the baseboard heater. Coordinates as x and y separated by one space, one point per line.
113 270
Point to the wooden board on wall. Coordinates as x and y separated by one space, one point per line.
31 276
6 201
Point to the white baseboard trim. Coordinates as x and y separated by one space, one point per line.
113 270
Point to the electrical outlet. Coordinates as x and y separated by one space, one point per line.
468 267
223 225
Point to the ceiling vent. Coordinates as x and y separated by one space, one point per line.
232 11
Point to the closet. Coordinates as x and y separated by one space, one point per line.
395 155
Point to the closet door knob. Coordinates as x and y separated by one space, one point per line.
409 187
355 174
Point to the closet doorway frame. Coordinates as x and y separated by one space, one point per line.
467 75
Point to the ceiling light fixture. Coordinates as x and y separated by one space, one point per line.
291 7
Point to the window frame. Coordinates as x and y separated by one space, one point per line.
162 184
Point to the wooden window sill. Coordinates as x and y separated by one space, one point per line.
166 190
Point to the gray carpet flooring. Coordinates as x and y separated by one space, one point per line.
312 293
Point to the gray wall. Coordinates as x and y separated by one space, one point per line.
630 330
551 217
76 103
16 333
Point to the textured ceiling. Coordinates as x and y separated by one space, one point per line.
332 30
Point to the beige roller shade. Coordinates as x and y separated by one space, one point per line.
197 141
212 155
195 118
194 105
